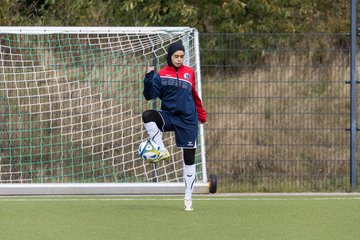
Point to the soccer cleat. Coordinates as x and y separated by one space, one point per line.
164 155
188 205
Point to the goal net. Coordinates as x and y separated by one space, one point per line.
70 110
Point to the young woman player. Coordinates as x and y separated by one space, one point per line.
181 111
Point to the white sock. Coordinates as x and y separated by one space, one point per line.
154 133
189 179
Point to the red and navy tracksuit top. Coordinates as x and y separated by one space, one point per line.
177 91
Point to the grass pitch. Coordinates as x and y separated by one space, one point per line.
161 217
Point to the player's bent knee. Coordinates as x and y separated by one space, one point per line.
146 116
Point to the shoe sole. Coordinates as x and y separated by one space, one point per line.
161 159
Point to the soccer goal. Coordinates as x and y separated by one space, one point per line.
70 110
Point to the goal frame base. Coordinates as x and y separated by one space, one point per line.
98 188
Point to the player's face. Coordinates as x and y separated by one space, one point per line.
177 58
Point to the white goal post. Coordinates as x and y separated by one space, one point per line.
70 110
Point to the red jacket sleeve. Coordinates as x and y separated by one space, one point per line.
199 108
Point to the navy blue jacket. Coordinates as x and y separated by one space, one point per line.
177 92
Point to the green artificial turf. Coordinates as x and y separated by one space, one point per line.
162 217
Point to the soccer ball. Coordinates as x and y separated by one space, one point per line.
149 151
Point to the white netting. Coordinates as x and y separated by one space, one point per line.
71 104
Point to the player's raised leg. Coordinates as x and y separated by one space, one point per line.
152 119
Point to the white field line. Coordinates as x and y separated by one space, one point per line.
100 199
